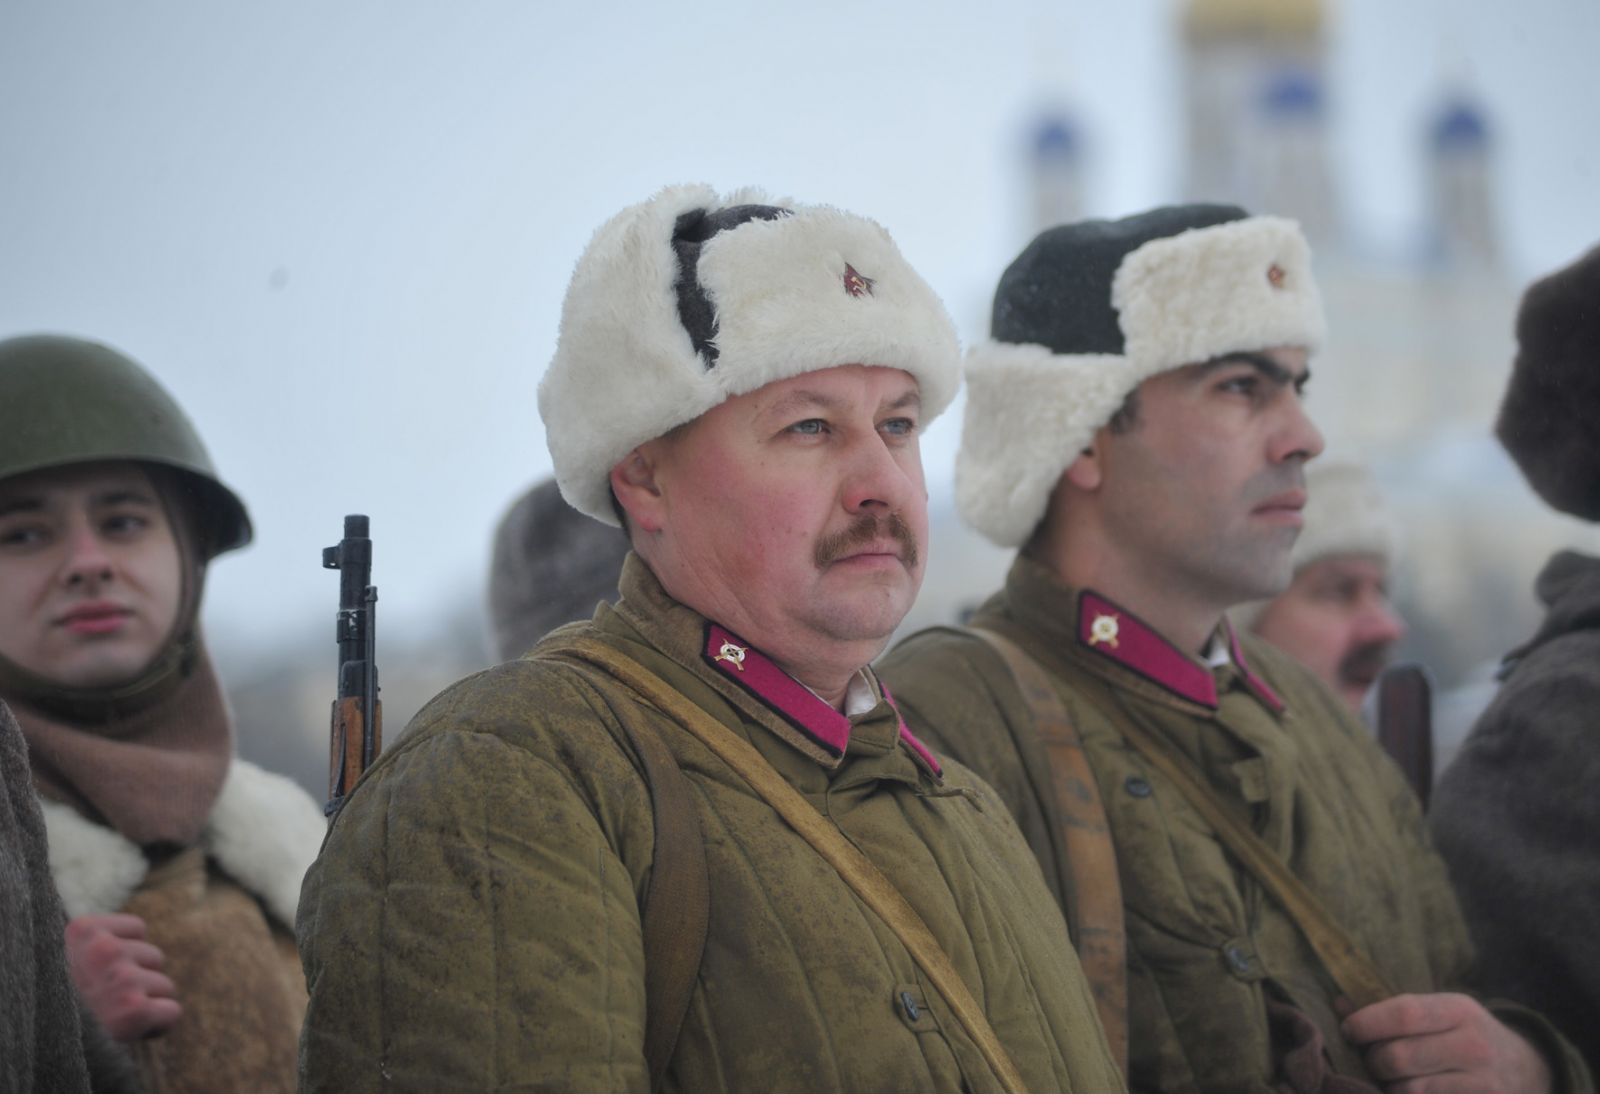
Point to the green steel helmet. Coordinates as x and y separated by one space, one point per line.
66 401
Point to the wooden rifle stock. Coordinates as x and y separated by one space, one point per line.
347 742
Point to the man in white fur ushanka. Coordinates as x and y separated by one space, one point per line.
690 843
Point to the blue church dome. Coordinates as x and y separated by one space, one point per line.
1292 93
1055 138
1459 125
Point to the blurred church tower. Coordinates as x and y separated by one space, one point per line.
1462 233
1056 170
1056 147
1254 73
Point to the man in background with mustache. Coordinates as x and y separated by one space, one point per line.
1135 427
1336 618
741 385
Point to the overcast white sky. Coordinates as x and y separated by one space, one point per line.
340 232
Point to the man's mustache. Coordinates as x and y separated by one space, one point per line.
865 530
1365 662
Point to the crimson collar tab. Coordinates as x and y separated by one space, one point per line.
791 700
1113 632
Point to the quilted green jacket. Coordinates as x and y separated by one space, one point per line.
473 921
1207 949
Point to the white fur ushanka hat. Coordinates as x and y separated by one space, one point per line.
1088 312
1345 514
688 299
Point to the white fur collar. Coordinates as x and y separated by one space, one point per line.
264 831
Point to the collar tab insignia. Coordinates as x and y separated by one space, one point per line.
732 654
1104 630
855 284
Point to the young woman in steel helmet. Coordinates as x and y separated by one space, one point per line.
178 864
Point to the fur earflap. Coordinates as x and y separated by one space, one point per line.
1548 418
264 831
809 290
1029 413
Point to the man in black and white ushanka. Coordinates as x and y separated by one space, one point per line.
1135 427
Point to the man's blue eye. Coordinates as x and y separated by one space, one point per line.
810 426
25 536
900 426
125 522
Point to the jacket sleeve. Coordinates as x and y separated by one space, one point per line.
470 924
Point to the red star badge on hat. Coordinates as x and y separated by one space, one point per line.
1275 274
855 284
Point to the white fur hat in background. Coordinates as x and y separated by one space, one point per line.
1345 514
689 298
1089 311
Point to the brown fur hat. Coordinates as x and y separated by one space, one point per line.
551 565
1550 417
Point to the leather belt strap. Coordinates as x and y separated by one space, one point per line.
869 883
1091 857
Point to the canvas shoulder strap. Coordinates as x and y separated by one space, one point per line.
1351 970
868 882
1091 857
677 900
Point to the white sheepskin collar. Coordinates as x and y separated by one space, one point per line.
264 832
1241 286
625 370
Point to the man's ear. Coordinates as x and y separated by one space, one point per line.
1087 470
633 481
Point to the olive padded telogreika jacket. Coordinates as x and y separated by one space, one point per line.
1206 947
473 922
